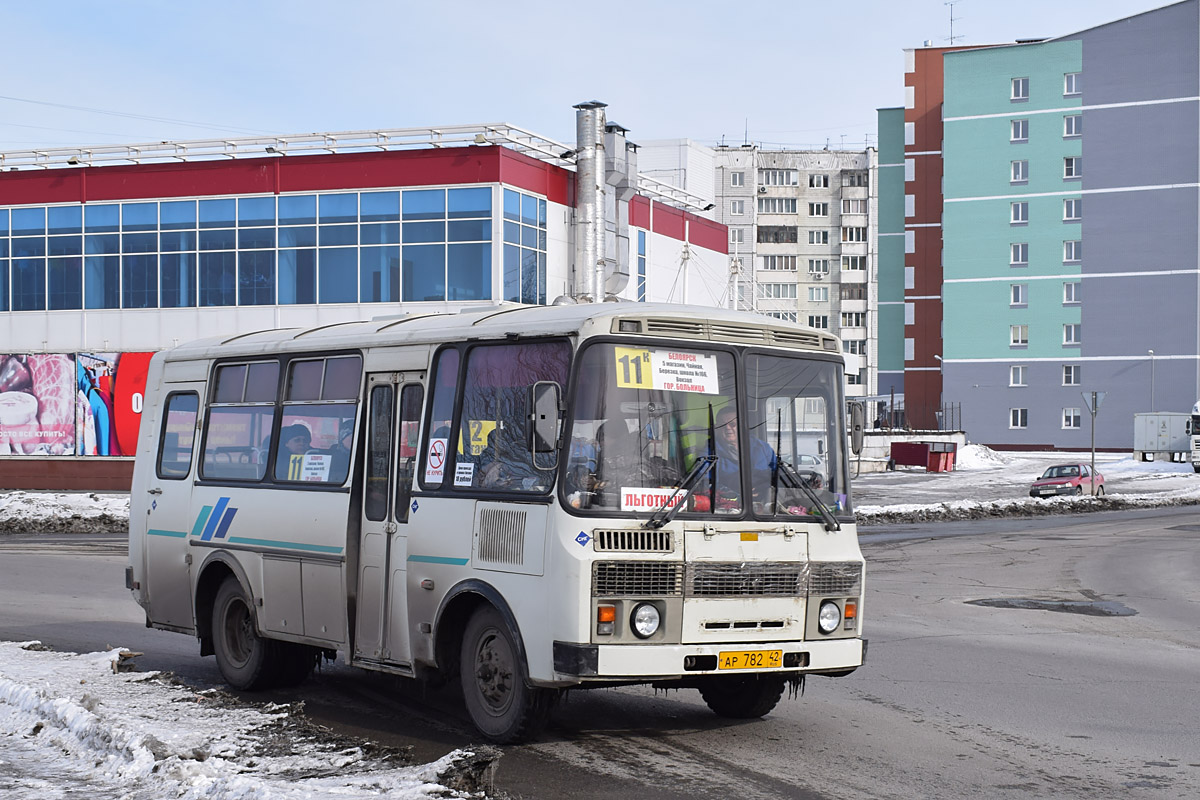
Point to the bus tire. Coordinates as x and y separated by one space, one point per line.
246 660
503 707
742 696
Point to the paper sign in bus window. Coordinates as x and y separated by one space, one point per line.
666 370
435 460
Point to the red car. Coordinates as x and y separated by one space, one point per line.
1067 479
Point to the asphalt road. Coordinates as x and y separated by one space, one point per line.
1031 694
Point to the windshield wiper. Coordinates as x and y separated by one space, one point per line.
666 511
831 523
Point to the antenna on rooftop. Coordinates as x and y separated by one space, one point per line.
952 38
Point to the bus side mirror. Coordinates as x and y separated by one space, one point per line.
858 416
547 421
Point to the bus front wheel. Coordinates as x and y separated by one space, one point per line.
742 696
246 660
503 707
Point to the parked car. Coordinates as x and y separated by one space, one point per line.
1067 479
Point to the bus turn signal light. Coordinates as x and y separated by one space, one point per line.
850 613
606 618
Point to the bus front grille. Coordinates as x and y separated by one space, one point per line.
835 577
639 540
637 579
753 579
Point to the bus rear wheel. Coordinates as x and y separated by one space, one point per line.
503 707
742 696
246 660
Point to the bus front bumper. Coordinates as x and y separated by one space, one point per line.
586 662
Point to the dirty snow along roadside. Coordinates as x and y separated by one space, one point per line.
71 726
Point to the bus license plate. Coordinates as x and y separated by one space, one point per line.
749 659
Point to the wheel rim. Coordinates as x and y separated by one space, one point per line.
239 632
494 673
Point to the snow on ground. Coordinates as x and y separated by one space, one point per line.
75 726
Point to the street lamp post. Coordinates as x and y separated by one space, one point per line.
1152 406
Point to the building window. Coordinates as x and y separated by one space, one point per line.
1020 213
854 179
779 262
1073 209
818 321
777 234
856 347
818 209
1020 172
816 181
737 235
777 205
853 319
818 266
854 291
854 379
1072 83
1019 294
524 246
1020 89
1020 254
737 207
1071 418
777 291
1072 374
854 262
641 266
1017 375
854 206
1018 418
1073 125
737 179
818 294
1018 335
1073 167
1072 251
1020 130
1072 292
854 234
1072 333
818 237
778 177
786 316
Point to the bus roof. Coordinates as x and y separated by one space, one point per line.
670 320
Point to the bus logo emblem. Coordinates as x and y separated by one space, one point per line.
214 522
583 538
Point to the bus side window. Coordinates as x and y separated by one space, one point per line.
177 436
411 397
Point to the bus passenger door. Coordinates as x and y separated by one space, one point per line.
393 409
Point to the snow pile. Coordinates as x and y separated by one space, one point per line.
977 456
77 720
1129 468
73 512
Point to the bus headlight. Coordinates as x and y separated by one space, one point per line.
829 617
644 620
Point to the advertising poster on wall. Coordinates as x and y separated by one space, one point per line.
108 403
37 404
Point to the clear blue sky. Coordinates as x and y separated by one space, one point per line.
795 72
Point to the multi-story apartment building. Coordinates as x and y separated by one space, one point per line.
1017 303
802 231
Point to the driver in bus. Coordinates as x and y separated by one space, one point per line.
728 469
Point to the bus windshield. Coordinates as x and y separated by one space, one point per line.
644 416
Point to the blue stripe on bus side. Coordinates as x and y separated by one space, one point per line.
171 534
315 548
200 520
458 562
214 519
223 525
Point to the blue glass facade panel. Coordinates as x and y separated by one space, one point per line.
474 230
256 278
102 281
139 243
256 211
102 244
218 279
380 275
28 284
512 273
3 284
469 203
380 206
298 237
176 241
424 232
64 219
217 213
338 275
256 238
101 219
218 240
298 209
139 217
468 269
424 268
178 280
297 277
339 208
339 235
65 283
381 233
179 215
139 281
65 245
425 204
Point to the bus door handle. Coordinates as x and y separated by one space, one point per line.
390 527
155 490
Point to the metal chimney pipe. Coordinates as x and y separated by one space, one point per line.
588 275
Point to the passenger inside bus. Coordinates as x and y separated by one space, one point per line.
340 452
294 443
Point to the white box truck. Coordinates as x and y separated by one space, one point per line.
1163 436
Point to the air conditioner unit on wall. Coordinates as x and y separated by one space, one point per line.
762 190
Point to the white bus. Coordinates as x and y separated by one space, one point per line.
524 499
